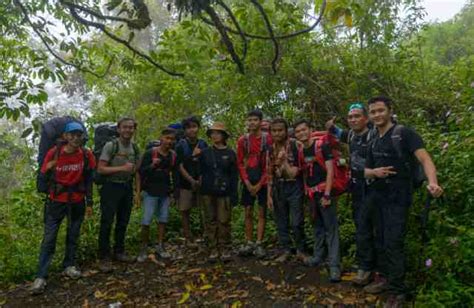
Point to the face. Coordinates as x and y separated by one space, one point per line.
74 138
302 132
253 123
191 130
167 141
126 129
217 137
265 126
379 114
357 120
278 132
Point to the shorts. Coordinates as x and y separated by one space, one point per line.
187 199
155 206
248 200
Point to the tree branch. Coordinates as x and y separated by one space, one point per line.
237 26
225 37
50 49
276 47
131 23
104 30
278 37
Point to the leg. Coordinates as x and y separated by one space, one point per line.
162 217
331 226
149 204
54 213
123 217
109 197
319 230
365 241
210 216
262 214
395 214
297 218
247 201
75 219
224 213
280 205
185 204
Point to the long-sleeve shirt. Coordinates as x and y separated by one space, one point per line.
251 160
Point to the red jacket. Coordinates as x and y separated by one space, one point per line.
68 172
254 158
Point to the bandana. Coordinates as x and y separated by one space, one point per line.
356 105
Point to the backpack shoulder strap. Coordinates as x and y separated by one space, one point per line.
247 144
173 158
397 138
136 151
350 136
115 148
263 142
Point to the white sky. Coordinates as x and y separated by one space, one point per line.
442 10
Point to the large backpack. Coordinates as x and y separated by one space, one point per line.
417 173
51 136
341 170
154 155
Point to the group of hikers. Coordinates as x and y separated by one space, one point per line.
278 171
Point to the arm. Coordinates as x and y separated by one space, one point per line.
240 162
430 170
234 180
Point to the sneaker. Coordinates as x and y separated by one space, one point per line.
38 287
226 256
143 255
312 261
259 252
379 285
395 301
363 278
247 249
105 266
161 252
334 274
123 257
213 256
285 256
72 272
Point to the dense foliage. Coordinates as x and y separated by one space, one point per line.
427 69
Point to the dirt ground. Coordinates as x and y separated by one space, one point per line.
189 279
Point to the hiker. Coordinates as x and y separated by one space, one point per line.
188 150
285 189
358 138
318 178
69 170
117 165
219 178
391 165
155 171
251 160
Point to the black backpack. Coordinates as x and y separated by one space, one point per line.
51 136
417 173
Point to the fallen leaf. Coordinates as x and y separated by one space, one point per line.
89 273
311 299
270 286
153 259
257 278
299 277
184 298
348 276
205 287
203 277
194 270
236 304
189 287
86 303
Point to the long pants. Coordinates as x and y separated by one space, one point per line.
54 213
288 209
116 201
392 203
326 232
217 212
368 240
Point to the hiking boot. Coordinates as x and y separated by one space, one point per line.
213 256
312 261
143 255
247 249
395 301
379 285
284 257
38 287
363 278
161 252
334 274
225 256
72 272
259 252
123 257
105 266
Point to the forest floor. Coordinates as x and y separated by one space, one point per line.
190 279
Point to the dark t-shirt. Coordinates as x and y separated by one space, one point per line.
184 152
293 153
382 153
317 175
221 165
156 180
358 145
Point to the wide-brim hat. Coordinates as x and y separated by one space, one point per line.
218 126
